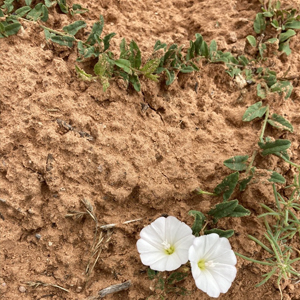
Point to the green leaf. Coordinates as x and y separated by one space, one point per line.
35 13
222 233
107 39
243 183
22 11
135 55
176 277
198 44
227 186
83 75
280 122
159 45
261 92
124 64
78 9
239 211
283 86
190 52
237 163
73 28
277 178
251 39
293 24
274 147
213 49
151 273
48 3
254 111
259 23
222 210
45 14
63 40
150 66
286 35
63 6
28 2
204 49
96 31
134 80
12 29
283 155
1 13
170 76
186 69
198 222
285 48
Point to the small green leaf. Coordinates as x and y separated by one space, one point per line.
222 210
198 222
274 147
285 48
286 35
227 186
254 111
83 75
243 183
222 233
107 39
22 11
261 92
277 178
45 14
124 64
78 9
135 55
12 29
283 86
74 27
1 13
239 211
48 3
151 273
134 80
237 163
170 76
204 49
28 2
35 13
159 45
280 122
198 43
96 31
186 69
63 6
251 39
63 40
213 49
293 24
259 23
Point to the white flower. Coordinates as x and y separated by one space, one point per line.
165 243
213 264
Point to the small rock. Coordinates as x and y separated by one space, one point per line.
38 236
78 289
22 289
232 37
50 244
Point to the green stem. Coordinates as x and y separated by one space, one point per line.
251 162
253 260
200 192
264 125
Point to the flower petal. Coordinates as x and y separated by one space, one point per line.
208 284
176 230
223 275
144 247
185 242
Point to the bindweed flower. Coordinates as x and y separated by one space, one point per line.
165 243
213 264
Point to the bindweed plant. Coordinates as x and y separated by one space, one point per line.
167 243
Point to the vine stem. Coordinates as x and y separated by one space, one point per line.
264 125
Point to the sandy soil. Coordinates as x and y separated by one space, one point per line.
131 163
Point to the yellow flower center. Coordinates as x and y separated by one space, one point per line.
202 264
168 248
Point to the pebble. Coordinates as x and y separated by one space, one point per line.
78 289
232 37
38 236
22 289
